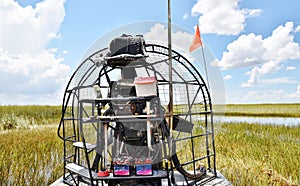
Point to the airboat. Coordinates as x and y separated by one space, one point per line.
136 112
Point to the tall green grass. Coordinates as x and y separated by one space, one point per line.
249 154
31 153
263 110
30 156
21 117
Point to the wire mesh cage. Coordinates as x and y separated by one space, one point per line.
103 93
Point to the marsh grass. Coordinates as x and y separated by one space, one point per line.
30 156
31 152
263 110
24 117
249 154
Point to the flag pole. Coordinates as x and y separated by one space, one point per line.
170 75
197 42
205 66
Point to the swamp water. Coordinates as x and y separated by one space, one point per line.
286 121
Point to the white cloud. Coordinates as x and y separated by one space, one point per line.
281 80
185 16
279 96
28 29
281 45
252 12
53 36
266 55
265 96
295 94
222 17
43 73
290 68
180 39
31 71
246 51
227 77
253 79
297 29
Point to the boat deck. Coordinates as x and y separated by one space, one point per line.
220 180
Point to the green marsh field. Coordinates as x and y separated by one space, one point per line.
263 110
247 154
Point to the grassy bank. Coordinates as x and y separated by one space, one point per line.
263 110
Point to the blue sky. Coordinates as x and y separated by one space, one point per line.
256 43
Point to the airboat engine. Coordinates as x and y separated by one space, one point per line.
116 121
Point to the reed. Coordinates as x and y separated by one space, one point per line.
249 154
30 156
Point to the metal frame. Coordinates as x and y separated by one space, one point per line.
70 130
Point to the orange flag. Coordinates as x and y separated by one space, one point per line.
197 40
